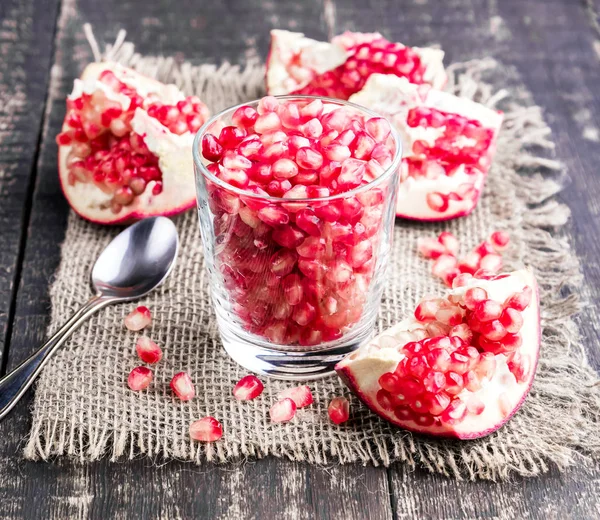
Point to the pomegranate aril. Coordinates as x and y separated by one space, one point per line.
491 262
454 383
493 330
267 122
207 429
283 411
455 413
520 366
138 319
231 136
487 310
339 410
248 388
287 236
430 247
519 301
301 395
427 309
182 386
284 169
273 215
512 320
500 240
147 350
244 117
139 378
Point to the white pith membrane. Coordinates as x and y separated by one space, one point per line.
502 394
294 61
171 150
458 188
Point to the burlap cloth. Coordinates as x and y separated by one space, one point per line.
84 409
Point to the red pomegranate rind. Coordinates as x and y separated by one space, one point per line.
298 272
294 61
448 145
125 146
299 65
456 383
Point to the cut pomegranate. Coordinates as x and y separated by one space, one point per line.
448 144
455 382
125 146
147 350
139 378
207 429
301 395
182 386
248 388
339 410
138 319
299 65
283 411
298 269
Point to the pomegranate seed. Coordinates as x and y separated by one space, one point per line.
283 411
273 215
182 386
487 310
462 279
434 382
248 388
267 122
449 241
454 383
211 148
352 174
427 309
304 313
138 319
309 158
284 169
486 366
437 201
439 359
474 297
301 395
378 128
443 264
337 152
511 342
207 429
339 410
472 381
450 316
230 137
287 236
339 272
455 412
436 403
147 350
139 378
520 366
512 320
485 248
470 263
499 240
519 301
244 117
475 405
462 331
430 247
491 262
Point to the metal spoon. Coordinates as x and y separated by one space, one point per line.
133 264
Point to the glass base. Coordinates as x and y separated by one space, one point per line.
287 363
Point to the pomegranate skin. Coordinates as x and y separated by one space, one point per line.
365 389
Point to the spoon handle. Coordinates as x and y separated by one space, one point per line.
14 384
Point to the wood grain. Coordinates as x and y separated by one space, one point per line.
26 42
554 46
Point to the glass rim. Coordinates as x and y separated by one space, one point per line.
244 193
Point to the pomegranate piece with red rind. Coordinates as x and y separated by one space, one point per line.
207 429
299 65
455 383
448 145
248 388
138 318
125 146
183 386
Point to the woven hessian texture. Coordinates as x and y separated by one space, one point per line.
84 409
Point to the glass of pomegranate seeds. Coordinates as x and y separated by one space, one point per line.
296 198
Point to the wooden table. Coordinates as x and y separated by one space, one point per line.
555 46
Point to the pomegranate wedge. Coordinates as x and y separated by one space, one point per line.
448 144
125 146
300 65
461 367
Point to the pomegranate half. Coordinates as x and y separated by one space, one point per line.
300 65
448 145
125 146
461 367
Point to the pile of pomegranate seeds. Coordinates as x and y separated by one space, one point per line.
138 318
207 429
298 272
339 410
458 351
107 152
485 258
248 388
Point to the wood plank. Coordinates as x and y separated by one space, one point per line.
26 37
257 489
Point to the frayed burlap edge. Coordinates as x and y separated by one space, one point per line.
564 376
